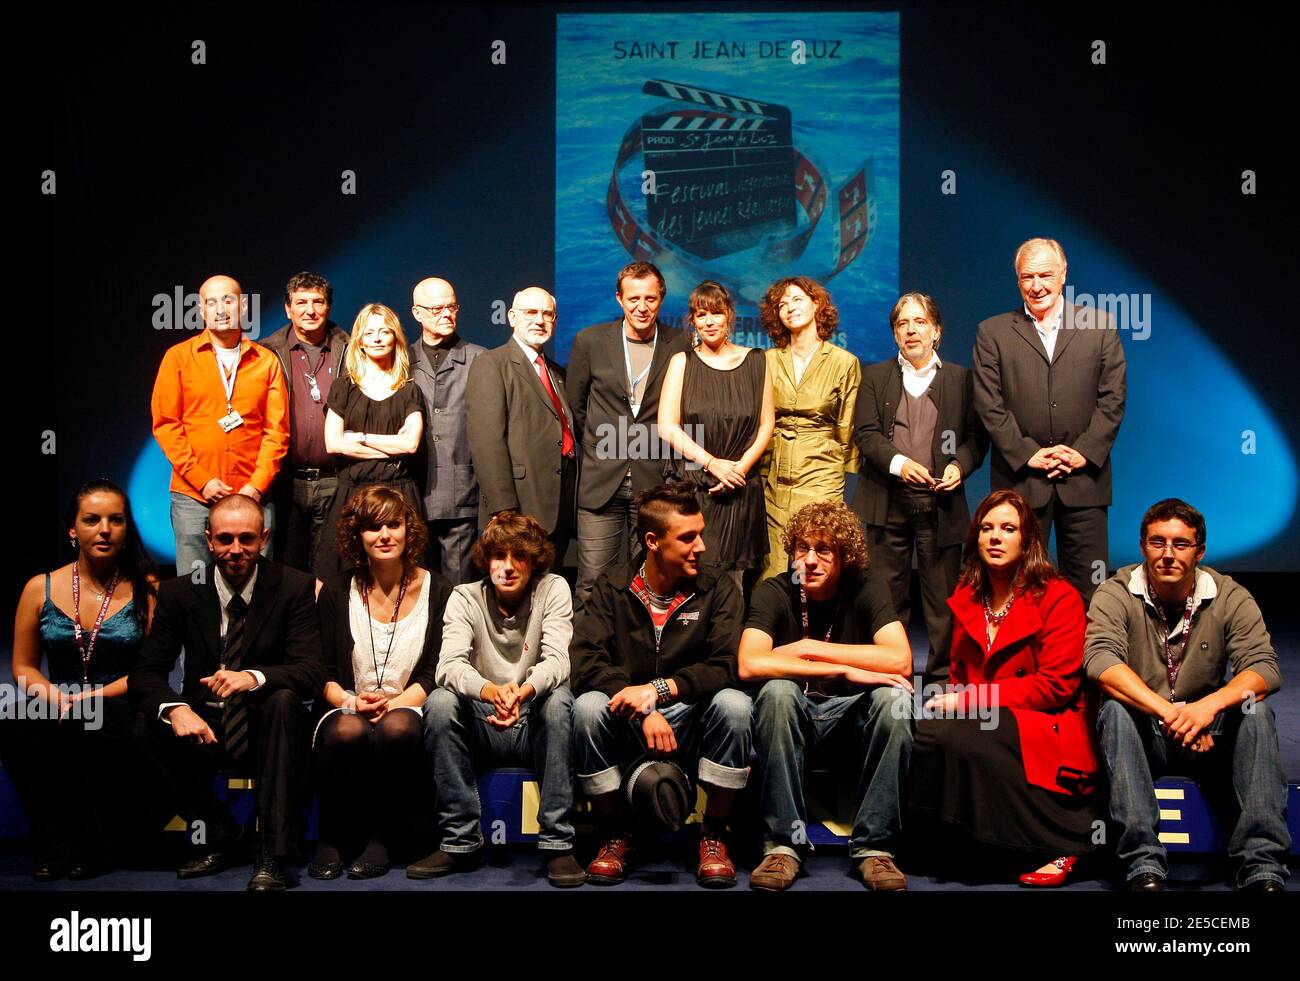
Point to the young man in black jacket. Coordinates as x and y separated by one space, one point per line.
653 667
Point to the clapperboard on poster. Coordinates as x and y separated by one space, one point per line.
724 170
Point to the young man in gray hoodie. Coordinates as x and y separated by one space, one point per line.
503 696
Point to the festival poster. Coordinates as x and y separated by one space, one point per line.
738 147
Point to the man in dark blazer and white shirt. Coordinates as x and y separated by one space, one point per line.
440 365
520 427
251 640
1050 388
616 370
919 438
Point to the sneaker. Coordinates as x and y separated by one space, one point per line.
442 863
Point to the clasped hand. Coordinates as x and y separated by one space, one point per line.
1059 460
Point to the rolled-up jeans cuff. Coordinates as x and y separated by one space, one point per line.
603 782
865 852
461 849
726 777
777 848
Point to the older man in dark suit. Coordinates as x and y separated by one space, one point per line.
251 639
440 366
1049 388
920 438
615 372
520 428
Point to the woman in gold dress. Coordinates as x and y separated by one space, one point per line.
815 384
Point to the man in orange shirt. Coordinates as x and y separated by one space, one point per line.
220 414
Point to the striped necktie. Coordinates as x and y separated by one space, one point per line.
234 715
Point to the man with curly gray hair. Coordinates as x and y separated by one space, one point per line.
835 661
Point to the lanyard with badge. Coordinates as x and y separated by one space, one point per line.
232 419
808 687
1173 664
627 363
311 372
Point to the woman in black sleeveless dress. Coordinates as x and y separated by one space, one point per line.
375 422
716 412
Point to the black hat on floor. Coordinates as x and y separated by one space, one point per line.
658 794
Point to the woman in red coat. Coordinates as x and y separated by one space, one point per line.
1006 755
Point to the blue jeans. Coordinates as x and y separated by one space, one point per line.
714 732
189 517
460 741
879 724
1244 764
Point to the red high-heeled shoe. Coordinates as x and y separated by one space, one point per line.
1064 865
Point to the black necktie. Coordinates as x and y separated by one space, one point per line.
234 716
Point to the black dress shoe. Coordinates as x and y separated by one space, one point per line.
1146 882
47 870
1265 885
268 875
325 870
366 870
90 869
209 864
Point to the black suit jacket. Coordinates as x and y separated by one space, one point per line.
282 638
515 435
1026 403
958 438
337 640
600 397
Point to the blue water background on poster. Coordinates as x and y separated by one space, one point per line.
843 101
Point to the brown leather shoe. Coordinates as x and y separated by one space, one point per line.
716 870
775 873
609 867
879 874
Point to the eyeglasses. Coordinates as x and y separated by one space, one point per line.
824 552
1180 546
438 311
548 316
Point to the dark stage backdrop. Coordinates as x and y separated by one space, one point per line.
169 171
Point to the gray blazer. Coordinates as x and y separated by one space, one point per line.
515 435
450 488
1026 403
599 397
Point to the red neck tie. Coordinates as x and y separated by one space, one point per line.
566 448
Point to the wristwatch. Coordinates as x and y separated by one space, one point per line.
661 687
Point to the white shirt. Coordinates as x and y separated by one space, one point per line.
531 353
397 646
225 593
1049 330
917 384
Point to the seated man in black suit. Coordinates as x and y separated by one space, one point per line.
251 638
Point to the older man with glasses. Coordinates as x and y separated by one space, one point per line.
440 366
1161 634
520 426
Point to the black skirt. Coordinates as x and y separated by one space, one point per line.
972 780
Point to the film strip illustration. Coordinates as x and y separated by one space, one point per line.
727 179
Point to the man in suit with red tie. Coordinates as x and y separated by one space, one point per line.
520 427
